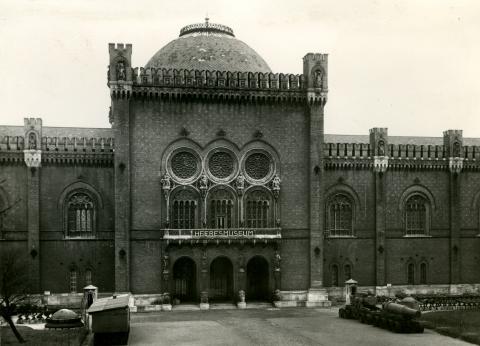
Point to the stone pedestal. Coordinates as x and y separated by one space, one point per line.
241 305
166 307
317 297
204 306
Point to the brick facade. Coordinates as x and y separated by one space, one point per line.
129 245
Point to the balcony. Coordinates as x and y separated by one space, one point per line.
223 234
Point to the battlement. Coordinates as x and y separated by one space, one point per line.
453 133
32 122
315 57
382 130
60 144
216 79
120 48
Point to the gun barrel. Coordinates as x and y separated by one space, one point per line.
401 309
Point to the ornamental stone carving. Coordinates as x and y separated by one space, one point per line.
257 166
221 165
121 71
32 141
276 186
184 164
203 184
277 261
32 158
166 183
380 164
240 184
455 164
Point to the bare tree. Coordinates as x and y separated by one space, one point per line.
13 287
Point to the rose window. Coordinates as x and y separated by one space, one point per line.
184 165
221 165
257 166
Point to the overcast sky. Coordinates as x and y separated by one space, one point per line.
412 66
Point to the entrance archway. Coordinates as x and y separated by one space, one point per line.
221 279
257 279
184 279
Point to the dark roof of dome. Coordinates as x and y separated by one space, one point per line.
208 46
64 315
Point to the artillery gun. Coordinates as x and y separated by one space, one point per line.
399 317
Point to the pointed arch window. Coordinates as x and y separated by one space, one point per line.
80 214
73 281
410 274
221 209
184 210
417 210
423 274
334 275
257 210
340 216
347 270
88 277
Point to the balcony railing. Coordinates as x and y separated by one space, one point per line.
223 233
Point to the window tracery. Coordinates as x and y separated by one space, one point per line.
80 214
221 209
258 211
257 165
184 208
340 216
416 215
184 164
221 164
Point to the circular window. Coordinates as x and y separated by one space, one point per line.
184 164
221 164
257 166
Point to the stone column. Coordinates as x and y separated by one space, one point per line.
120 82
33 159
379 151
315 67
453 143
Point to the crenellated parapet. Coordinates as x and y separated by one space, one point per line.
56 150
125 82
451 156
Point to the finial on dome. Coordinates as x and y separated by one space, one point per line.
207 28
206 19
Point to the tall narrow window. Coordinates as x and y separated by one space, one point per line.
88 277
411 274
221 210
73 281
257 213
348 272
334 275
80 215
423 274
340 216
183 210
416 214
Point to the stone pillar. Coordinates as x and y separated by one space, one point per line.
453 143
379 151
315 69
120 83
33 159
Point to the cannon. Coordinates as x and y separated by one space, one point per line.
399 317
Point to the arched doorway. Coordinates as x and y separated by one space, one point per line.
257 279
184 279
221 279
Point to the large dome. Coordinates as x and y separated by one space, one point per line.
208 46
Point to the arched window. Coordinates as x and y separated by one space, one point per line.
340 216
347 269
80 214
423 274
416 215
257 210
411 274
73 281
88 277
184 210
334 275
221 212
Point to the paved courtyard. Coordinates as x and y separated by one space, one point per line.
294 326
